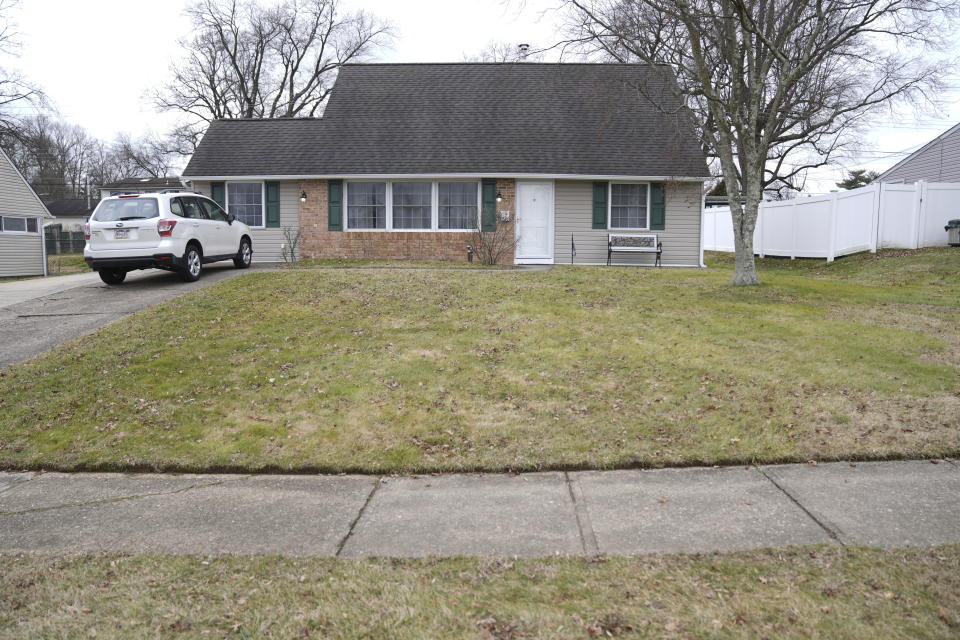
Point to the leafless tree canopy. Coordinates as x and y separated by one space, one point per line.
15 89
778 86
250 60
62 160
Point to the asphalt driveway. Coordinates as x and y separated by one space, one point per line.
37 315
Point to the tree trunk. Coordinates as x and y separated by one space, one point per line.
744 222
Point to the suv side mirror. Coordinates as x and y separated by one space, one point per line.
230 218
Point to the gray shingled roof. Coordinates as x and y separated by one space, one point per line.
579 119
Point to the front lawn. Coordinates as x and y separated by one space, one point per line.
812 592
390 370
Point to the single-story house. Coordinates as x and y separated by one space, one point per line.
71 213
936 161
141 185
22 216
409 159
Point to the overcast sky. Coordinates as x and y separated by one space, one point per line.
98 60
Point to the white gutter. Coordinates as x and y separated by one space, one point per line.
445 176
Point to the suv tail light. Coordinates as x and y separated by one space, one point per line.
165 227
86 231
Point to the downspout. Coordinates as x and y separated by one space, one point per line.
703 206
43 246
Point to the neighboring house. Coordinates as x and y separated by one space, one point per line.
22 216
409 158
141 185
936 161
70 214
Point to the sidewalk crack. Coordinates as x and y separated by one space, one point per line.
588 537
353 525
834 535
121 498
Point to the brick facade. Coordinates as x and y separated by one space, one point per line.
318 242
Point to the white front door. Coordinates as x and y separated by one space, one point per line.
534 222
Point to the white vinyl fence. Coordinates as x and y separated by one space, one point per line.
881 215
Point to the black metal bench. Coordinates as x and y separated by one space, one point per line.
634 243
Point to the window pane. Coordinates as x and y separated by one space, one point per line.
628 206
367 205
32 225
211 210
129 208
412 205
458 205
14 224
245 202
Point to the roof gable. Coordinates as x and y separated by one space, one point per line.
528 118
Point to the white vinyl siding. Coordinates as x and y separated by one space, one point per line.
267 242
574 206
21 253
937 161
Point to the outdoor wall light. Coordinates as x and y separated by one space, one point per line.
499 197
303 196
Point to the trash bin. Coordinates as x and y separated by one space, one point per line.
953 233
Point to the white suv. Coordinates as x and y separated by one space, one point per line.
177 231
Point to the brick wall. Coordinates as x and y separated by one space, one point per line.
318 242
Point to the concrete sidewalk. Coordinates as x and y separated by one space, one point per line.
887 504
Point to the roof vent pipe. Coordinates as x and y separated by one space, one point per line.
523 50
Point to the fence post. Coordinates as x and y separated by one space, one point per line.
921 213
832 245
758 230
793 231
875 218
915 215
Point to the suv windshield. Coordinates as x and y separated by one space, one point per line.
127 209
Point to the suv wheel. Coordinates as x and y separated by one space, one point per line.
112 276
244 256
192 264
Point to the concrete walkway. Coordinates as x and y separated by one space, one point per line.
886 504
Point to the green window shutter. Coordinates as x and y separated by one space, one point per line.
335 205
488 199
658 206
273 204
600 192
218 193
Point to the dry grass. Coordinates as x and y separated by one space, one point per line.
389 370
814 592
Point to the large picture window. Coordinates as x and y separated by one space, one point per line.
628 206
458 205
367 205
245 202
412 205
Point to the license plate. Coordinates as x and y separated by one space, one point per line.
121 234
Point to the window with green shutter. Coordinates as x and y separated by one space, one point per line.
488 205
218 193
599 205
658 206
335 205
273 204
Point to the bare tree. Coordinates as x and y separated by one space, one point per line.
249 60
500 51
778 86
147 156
15 89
